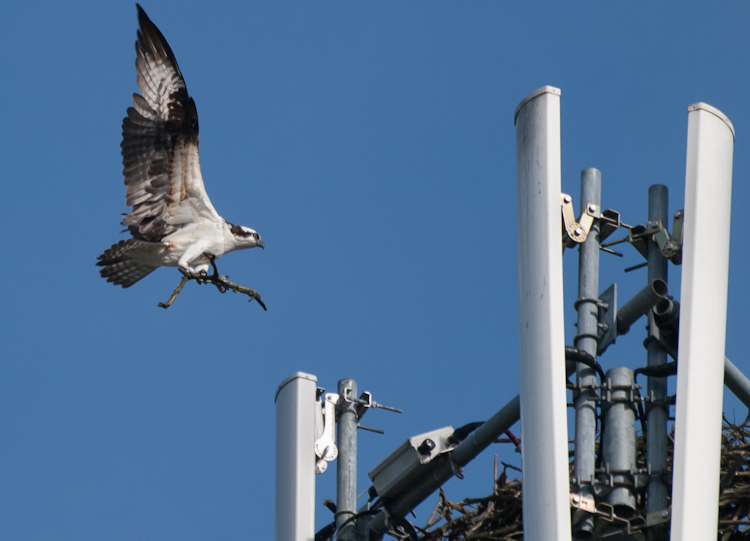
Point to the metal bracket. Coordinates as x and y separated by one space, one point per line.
610 222
583 503
576 231
364 402
605 512
670 246
325 446
607 319
657 517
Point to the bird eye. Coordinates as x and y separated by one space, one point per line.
256 236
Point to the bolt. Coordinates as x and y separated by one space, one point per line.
567 199
652 224
664 513
678 214
426 448
578 231
592 208
576 499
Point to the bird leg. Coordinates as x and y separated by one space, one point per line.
215 275
214 279
221 283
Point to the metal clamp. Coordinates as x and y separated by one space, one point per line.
657 517
670 245
576 231
579 501
364 402
325 446
605 512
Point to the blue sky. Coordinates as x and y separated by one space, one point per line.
372 146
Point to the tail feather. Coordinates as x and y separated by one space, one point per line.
120 266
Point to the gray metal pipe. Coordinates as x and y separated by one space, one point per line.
667 314
657 411
640 304
346 463
619 439
588 321
737 382
445 466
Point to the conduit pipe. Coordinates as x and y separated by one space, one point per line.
640 304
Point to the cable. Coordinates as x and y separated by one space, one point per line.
574 354
408 528
329 532
657 371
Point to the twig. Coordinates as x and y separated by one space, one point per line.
221 283
511 466
175 293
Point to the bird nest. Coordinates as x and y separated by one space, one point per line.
499 517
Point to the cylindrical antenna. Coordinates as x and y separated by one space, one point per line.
703 318
295 458
546 505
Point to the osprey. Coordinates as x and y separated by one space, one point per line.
172 220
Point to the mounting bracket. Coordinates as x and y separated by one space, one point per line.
325 445
670 245
576 231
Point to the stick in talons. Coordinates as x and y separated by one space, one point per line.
221 283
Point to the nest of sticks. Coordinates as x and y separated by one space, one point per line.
499 517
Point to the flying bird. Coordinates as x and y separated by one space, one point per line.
172 221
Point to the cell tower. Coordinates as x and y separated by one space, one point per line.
599 500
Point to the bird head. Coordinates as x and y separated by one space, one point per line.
245 237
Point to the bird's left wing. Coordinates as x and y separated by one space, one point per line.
160 145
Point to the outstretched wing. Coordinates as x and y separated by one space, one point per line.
160 145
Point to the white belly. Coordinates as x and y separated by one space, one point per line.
196 240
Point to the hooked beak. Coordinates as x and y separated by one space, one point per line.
262 244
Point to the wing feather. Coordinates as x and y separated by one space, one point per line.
159 145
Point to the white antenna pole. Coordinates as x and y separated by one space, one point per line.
544 431
295 458
703 317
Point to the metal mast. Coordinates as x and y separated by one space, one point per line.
657 408
587 341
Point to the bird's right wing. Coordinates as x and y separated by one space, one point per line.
160 145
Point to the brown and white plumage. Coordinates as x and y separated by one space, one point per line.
172 220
